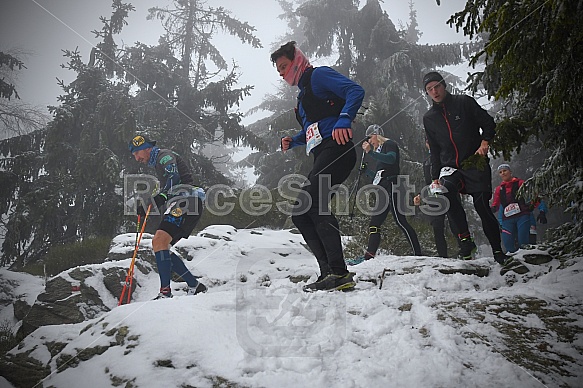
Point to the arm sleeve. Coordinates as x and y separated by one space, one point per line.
496 199
300 138
331 81
388 158
435 152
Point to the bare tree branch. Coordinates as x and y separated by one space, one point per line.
18 118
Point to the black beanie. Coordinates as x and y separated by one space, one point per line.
432 76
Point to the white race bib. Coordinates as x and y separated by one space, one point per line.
313 137
447 171
378 177
511 210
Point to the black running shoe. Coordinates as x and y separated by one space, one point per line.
332 282
467 249
163 296
512 264
500 257
165 293
198 289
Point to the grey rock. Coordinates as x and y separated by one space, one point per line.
21 308
537 258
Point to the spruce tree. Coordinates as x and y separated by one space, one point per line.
540 90
71 189
187 91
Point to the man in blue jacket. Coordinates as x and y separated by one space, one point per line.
458 128
327 105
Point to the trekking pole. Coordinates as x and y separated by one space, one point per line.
129 280
357 184
136 254
130 274
125 285
137 230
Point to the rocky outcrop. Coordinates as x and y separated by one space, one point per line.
69 297
56 306
91 291
23 370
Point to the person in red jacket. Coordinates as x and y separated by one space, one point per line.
515 212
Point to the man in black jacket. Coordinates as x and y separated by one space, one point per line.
437 221
457 128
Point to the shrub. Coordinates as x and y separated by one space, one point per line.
393 240
7 338
63 257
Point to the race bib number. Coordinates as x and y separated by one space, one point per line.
511 210
313 137
378 177
446 171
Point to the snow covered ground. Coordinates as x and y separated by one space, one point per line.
256 327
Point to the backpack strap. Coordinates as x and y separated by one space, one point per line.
316 108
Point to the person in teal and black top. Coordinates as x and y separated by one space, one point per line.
385 152
181 204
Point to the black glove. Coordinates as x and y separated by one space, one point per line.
542 218
160 200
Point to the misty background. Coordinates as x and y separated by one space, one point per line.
196 77
40 29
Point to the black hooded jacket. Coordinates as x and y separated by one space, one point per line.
453 131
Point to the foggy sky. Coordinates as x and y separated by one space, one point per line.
42 28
